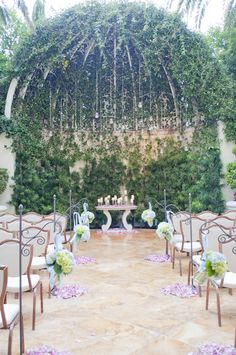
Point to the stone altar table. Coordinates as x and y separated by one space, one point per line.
126 208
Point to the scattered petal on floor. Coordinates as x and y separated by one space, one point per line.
158 258
46 350
84 260
117 231
214 349
180 290
69 291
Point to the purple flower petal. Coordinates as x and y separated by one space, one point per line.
69 291
215 349
180 290
46 350
155 258
84 260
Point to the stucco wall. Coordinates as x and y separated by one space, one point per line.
7 161
227 157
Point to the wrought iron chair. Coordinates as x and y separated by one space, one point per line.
185 246
224 221
6 234
14 225
207 215
32 217
9 255
9 313
209 234
227 246
7 217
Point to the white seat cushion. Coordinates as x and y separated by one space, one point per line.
38 263
229 280
187 246
13 283
11 311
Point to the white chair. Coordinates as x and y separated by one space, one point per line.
6 234
207 215
184 246
15 225
39 239
224 221
175 219
209 235
7 217
9 255
229 251
9 313
32 217
230 214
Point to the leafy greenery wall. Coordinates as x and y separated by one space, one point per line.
3 180
117 68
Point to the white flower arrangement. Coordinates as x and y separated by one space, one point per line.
148 216
81 232
213 266
164 231
61 261
89 215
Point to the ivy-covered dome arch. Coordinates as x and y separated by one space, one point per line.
118 66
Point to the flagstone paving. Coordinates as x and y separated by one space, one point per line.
124 311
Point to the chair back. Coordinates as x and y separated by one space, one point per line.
211 234
197 223
32 217
15 225
176 219
7 217
230 214
37 237
3 288
9 255
224 221
207 215
60 218
229 251
6 234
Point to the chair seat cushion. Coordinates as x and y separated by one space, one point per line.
177 238
13 283
11 311
187 246
229 280
38 263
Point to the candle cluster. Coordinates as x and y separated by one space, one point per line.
118 201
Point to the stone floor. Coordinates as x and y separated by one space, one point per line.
124 311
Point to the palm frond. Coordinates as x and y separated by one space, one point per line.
25 12
4 15
38 13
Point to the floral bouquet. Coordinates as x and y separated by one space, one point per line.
148 216
213 266
164 231
59 263
81 232
62 261
89 215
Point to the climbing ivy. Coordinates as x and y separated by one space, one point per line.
119 66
